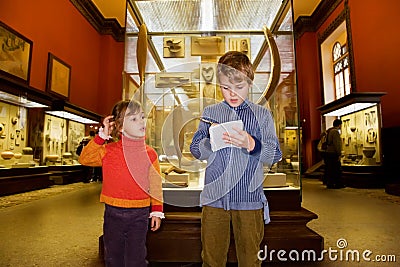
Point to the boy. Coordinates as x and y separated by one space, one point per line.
234 175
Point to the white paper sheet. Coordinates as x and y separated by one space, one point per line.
217 131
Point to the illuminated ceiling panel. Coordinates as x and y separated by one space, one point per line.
165 16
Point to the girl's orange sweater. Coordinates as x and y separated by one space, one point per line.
131 172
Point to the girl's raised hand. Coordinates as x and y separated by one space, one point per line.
108 124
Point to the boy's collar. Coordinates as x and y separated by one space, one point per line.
244 105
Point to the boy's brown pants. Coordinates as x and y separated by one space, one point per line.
248 231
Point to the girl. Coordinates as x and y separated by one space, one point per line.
132 190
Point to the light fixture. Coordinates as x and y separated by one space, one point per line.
349 109
71 116
66 110
351 103
19 101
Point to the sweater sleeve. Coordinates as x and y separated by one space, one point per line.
156 193
201 146
93 153
270 149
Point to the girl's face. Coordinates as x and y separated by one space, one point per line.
134 125
234 93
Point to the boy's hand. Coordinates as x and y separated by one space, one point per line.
240 139
108 125
155 223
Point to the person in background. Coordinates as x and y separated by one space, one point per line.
233 191
132 186
332 156
88 171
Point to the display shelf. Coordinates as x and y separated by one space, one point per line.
362 161
66 174
19 180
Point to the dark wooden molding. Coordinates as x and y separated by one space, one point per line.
350 47
343 16
96 19
312 23
332 27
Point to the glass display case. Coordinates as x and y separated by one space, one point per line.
38 141
362 161
180 80
170 67
30 137
361 137
360 113
14 149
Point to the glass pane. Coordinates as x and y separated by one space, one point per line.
211 15
175 96
360 135
337 49
347 83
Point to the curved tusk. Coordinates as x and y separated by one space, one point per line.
275 68
141 51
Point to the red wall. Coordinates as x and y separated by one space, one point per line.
376 43
309 93
375 40
309 88
57 26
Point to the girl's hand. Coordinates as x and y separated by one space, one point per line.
155 223
240 139
108 125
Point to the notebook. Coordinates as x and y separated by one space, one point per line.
217 131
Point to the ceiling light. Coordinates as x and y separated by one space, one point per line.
71 116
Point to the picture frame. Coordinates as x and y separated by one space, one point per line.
58 77
15 54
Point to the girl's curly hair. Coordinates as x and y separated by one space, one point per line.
119 111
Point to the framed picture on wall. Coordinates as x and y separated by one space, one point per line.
58 77
15 54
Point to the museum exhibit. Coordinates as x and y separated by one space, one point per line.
59 81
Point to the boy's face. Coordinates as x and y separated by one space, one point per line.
134 125
234 92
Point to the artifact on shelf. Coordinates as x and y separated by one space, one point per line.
52 158
27 151
14 120
18 155
2 127
369 152
7 154
208 46
173 46
67 155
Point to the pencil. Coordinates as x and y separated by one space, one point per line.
207 121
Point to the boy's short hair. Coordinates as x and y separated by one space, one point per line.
235 65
